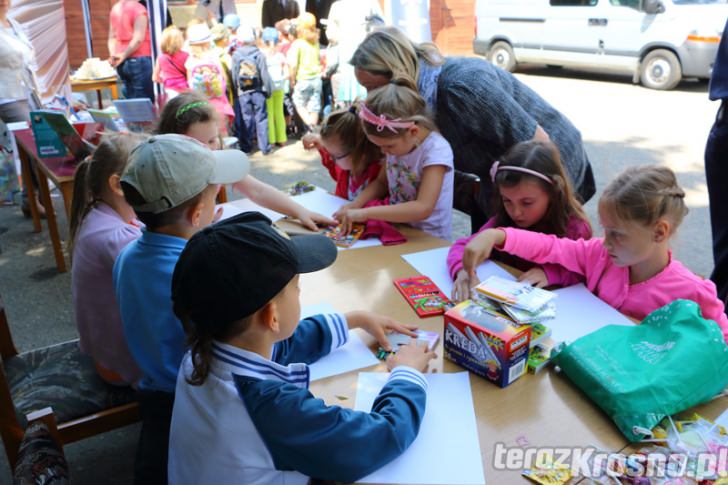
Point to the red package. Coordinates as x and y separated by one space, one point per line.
423 296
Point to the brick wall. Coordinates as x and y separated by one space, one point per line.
76 34
452 22
453 25
99 27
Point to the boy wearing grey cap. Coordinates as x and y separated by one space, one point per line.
243 412
171 182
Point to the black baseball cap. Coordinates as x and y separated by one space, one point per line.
232 269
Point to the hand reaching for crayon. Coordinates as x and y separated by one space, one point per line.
462 286
347 215
413 355
378 326
480 248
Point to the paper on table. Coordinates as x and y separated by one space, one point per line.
351 356
239 206
433 263
579 312
446 449
320 201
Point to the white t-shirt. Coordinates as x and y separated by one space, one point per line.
405 172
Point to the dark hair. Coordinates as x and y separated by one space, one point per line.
92 176
200 342
155 221
347 128
397 100
183 111
644 194
544 158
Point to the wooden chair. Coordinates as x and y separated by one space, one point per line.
62 378
465 198
41 459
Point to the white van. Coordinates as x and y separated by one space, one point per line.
657 41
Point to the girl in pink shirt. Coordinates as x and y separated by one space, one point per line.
532 192
631 267
170 69
102 224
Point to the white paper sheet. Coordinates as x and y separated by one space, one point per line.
351 356
433 263
579 312
320 201
239 206
446 449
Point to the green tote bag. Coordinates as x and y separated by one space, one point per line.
674 360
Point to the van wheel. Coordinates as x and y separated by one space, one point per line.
501 54
660 69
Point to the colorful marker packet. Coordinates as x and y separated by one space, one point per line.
344 240
520 295
423 296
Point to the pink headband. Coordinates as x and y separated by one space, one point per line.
382 122
497 167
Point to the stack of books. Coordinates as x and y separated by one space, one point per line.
520 301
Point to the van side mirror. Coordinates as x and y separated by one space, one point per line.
653 6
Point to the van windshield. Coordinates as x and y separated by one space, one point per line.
697 2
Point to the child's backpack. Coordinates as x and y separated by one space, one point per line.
206 78
245 71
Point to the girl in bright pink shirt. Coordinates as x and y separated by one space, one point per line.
631 267
351 159
170 69
532 192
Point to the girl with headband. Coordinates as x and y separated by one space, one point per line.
530 191
192 115
632 267
418 173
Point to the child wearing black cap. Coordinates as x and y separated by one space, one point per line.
242 410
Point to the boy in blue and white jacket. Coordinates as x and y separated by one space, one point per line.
242 410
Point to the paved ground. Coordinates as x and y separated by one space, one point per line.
622 125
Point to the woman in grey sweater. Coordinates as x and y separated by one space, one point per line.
480 109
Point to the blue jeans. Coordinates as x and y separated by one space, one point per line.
136 76
716 175
251 118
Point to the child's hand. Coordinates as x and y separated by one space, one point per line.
311 140
339 214
312 220
413 355
536 277
480 247
462 285
378 326
349 217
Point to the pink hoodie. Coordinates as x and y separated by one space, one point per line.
611 282
555 274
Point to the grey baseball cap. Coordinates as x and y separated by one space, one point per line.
168 170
